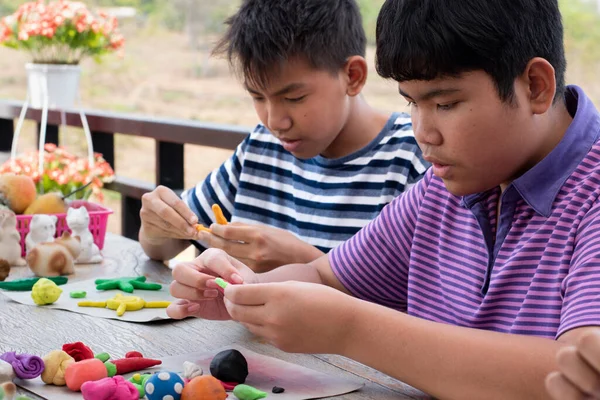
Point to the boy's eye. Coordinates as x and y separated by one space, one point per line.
258 98
446 107
295 99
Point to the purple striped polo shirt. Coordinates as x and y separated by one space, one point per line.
433 255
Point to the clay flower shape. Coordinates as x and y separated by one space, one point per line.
126 284
78 351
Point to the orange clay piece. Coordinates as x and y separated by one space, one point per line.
200 228
221 220
203 387
83 371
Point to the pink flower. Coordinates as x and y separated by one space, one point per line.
95 34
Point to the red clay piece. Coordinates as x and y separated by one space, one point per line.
132 364
229 386
78 351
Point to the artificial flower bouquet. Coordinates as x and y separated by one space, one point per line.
60 32
63 172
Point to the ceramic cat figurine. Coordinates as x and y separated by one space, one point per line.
78 220
42 229
54 258
10 240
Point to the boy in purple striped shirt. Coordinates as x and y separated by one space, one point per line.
467 285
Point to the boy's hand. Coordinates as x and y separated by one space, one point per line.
194 283
579 370
165 216
294 316
260 247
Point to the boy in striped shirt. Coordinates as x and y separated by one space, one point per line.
322 164
467 285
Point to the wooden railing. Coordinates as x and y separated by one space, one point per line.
170 135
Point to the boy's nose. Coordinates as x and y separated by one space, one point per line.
425 130
279 120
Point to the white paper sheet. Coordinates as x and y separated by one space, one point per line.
300 383
65 302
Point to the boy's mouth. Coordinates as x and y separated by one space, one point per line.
290 145
441 170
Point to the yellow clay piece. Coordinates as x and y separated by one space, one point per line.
157 304
88 303
45 292
125 303
122 303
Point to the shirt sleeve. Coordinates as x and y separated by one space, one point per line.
580 289
373 264
219 187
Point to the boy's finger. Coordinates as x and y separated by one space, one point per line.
185 292
589 348
165 229
233 232
192 274
578 372
233 248
247 315
561 389
221 264
172 200
249 295
178 310
169 216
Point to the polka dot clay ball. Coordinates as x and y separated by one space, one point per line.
164 385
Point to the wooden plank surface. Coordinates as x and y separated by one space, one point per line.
36 330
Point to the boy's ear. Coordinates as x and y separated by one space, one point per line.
356 71
540 78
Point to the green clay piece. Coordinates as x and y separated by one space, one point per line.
139 381
104 357
246 392
25 284
140 389
78 294
126 284
221 282
111 369
45 292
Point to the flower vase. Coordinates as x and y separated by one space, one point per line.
59 82
51 86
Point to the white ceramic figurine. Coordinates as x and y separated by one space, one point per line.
42 229
78 220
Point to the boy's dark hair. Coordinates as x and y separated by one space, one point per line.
427 39
263 34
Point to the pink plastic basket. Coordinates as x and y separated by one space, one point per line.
98 219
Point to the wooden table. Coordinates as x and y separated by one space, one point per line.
27 329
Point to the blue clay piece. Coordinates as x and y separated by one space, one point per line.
163 384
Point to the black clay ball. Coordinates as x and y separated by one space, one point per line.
229 366
277 389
